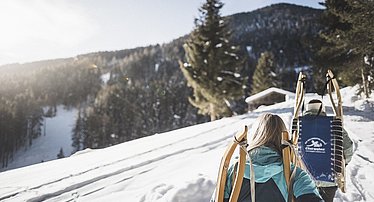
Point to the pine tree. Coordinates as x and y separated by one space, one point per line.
79 131
213 68
347 40
330 54
61 154
264 76
360 38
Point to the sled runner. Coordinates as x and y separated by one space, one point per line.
241 140
319 139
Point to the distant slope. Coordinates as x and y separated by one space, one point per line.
46 147
287 30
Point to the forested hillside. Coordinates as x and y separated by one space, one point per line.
146 92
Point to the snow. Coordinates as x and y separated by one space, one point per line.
185 64
219 45
232 55
179 165
105 77
249 49
364 105
268 91
46 148
301 69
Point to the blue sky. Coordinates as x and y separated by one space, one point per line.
46 29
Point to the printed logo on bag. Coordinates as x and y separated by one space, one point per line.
315 145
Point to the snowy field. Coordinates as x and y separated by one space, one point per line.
179 165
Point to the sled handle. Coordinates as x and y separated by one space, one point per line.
333 85
299 94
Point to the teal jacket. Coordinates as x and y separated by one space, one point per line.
268 165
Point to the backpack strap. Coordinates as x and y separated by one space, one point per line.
287 150
234 172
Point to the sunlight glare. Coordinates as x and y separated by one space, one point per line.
37 25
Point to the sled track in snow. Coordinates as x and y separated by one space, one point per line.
355 182
365 158
72 193
360 161
96 179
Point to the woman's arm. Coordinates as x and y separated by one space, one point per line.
304 189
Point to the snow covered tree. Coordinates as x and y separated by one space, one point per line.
213 66
264 76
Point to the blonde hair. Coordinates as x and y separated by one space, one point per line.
267 131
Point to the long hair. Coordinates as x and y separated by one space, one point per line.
267 131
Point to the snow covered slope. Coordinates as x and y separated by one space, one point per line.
46 147
179 165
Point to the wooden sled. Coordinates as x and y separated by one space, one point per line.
332 86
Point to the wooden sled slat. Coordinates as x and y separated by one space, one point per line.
333 85
338 110
239 177
225 162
